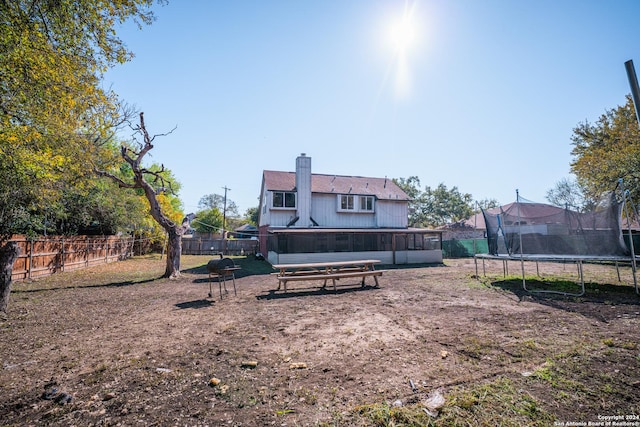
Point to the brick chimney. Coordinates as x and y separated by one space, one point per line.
303 188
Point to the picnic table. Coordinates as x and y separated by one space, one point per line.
325 271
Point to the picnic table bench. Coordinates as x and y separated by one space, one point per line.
325 271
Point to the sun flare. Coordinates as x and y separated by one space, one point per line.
402 33
403 36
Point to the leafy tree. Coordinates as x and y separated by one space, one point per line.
251 215
54 114
607 151
216 201
411 186
442 206
435 207
208 221
486 204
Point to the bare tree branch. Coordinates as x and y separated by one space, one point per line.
134 159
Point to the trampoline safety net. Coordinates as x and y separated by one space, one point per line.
524 227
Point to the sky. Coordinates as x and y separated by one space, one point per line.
481 95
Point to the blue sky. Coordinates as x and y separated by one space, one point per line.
483 96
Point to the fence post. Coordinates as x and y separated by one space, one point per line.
106 250
62 256
30 259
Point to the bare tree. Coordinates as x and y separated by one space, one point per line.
139 180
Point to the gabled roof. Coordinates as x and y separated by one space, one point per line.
381 188
246 228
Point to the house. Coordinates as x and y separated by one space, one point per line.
306 217
245 231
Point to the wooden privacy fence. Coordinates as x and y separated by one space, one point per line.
202 246
48 255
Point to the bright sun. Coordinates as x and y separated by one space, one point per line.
402 37
402 33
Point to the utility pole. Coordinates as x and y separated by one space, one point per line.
224 221
224 210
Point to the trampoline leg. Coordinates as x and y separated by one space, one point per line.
475 260
233 276
581 278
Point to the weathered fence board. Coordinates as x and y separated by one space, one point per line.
48 255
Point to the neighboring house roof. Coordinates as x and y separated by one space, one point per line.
381 188
246 228
527 210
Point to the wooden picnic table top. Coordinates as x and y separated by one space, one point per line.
327 264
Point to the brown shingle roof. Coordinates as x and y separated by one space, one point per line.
381 188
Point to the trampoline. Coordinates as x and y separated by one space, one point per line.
578 260
528 231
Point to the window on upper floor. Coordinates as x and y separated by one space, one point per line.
284 199
355 203
346 202
366 203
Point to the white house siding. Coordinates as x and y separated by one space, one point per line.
392 214
324 211
280 218
387 214
385 257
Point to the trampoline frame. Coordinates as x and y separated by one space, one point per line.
577 259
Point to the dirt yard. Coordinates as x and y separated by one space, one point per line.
115 346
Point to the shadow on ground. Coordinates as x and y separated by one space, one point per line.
602 302
199 303
313 292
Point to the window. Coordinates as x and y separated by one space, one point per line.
284 199
355 203
346 202
366 203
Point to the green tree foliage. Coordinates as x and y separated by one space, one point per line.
486 204
411 186
54 114
607 151
438 206
442 206
217 201
208 221
55 117
251 215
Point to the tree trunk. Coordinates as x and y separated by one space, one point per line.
174 231
8 254
174 250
